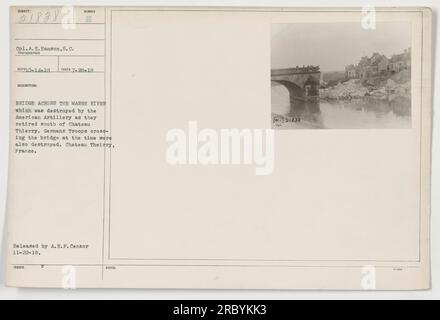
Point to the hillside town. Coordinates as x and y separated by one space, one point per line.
375 76
379 65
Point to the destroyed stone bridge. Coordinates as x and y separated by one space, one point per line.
301 82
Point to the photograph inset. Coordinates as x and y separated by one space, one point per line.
340 76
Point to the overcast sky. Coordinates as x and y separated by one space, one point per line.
334 45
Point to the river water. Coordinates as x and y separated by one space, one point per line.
363 113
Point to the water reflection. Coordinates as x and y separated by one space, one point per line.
363 113
309 112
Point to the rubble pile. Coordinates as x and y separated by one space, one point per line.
344 90
353 89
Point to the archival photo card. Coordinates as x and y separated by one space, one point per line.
147 151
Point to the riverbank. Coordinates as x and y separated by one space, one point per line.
396 87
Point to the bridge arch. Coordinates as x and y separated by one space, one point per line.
294 90
301 82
